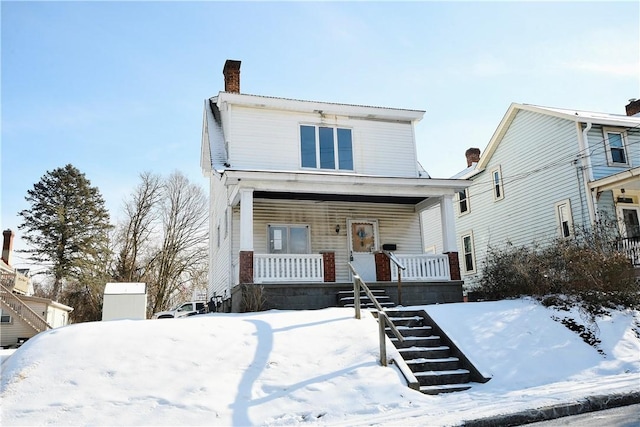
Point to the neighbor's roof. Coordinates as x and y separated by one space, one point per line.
578 116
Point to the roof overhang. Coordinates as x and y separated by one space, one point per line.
340 187
628 179
325 108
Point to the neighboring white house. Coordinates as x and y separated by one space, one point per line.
124 301
23 315
300 188
545 173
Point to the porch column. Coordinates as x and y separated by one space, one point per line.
246 219
448 221
449 245
246 236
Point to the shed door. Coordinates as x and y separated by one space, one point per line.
363 243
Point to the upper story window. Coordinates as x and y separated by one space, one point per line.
496 181
324 147
616 147
463 201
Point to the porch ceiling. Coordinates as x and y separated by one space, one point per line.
338 197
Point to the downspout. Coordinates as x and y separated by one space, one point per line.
587 172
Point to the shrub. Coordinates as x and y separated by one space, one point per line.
253 298
586 267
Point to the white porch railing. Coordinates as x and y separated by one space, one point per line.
288 268
422 267
631 248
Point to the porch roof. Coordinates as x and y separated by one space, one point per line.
628 179
340 187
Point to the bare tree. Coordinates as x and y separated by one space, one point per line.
184 239
135 233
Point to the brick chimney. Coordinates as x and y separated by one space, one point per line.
7 246
231 73
633 107
473 156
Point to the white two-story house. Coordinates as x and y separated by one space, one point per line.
547 173
301 188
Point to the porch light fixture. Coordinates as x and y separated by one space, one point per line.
337 228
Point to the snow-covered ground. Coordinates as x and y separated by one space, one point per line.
312 367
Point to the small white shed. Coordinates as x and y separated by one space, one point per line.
124 301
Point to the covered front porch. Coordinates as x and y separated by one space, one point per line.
618 197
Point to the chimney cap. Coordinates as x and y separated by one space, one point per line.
231 64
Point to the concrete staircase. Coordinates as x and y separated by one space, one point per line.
346 299
438 365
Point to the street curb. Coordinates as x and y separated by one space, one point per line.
587 404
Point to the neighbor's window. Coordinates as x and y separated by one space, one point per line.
496 180
565 220
4 318
326 148
288 239
469 263
463 201
616 147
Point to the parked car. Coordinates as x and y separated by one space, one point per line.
183 310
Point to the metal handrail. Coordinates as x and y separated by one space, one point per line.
383 319
401 267
28 315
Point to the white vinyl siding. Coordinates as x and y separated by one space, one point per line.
526 215
261 139
219 255
397 224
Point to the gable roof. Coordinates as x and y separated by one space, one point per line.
577 116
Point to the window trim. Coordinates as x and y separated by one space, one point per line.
464 270
465 200
623 137
336 147
564 203
499 185
5 316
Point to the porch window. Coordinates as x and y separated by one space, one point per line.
496 178
463 201
326 147
616 147
469 264
631 222
564 218
289 239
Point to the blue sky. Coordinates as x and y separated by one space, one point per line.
117 88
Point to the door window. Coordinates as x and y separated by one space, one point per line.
363 237
631 223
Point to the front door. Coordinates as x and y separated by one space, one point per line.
630 222
363 243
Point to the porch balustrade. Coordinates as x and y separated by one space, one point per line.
288 268
422 267
631 248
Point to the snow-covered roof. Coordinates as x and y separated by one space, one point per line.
125 288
